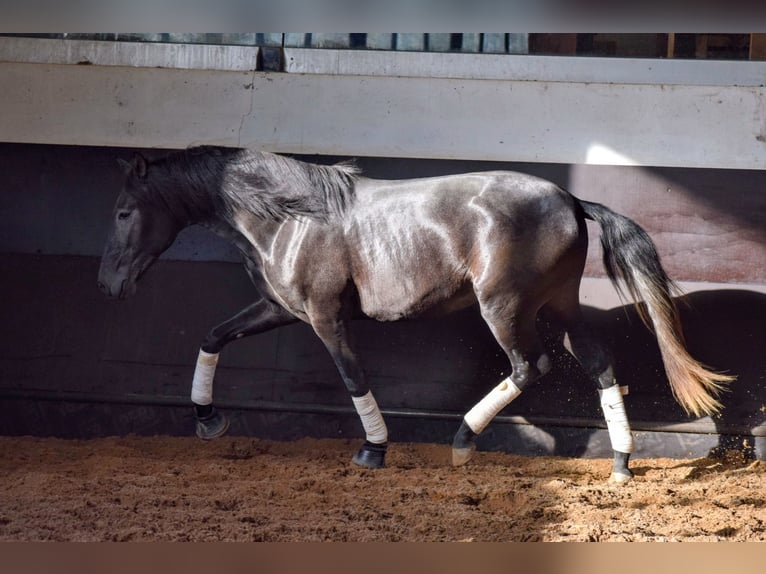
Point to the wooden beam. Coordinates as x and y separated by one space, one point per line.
701 46
553 44
758 46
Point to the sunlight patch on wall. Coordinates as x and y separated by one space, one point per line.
599 154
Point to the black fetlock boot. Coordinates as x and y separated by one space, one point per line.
210 423
371 455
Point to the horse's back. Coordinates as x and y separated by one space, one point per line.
427 244
463 209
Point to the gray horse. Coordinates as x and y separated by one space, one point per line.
325 245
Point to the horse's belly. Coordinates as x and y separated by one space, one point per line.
400 296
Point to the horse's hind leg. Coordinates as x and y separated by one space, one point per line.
335 335
256 318
516 333
596 360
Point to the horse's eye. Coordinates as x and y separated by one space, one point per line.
123 215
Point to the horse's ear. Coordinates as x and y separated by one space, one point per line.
139 165
136 166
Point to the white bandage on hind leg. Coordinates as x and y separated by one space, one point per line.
616 418
488 407
372 420
202 384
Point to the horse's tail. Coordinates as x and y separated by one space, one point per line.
631 258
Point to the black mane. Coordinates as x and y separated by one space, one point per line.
194 182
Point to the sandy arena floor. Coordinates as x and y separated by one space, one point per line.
242 489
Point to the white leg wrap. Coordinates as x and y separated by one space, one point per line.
372 420
488 407
202 384
616 418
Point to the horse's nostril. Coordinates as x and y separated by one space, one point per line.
104 288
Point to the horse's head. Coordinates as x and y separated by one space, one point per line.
141 230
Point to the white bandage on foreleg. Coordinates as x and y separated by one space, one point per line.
488 407
616 418
202 384
372 420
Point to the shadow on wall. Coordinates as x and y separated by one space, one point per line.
456 362
725 330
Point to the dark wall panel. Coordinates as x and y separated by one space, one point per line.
65 351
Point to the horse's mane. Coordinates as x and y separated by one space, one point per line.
192 182
277 187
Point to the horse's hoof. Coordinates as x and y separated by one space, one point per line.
463 445
212 426
620 471
371 455
460 456
620 477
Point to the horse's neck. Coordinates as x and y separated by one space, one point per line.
226 231
250 237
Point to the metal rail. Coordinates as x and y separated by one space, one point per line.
692 427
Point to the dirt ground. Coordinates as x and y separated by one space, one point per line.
243 489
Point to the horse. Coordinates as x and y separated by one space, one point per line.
325 245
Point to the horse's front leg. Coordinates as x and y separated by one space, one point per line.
335 335
257 318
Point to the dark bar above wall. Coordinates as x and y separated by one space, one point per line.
702 46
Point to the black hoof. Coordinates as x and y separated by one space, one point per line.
463 445
371 455
212 426
620 471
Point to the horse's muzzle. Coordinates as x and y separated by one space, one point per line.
108 291
114 290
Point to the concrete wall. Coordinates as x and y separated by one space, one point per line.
387 104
